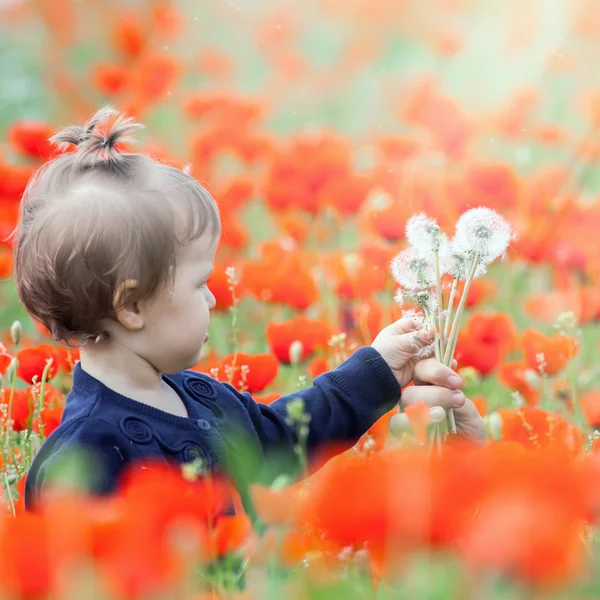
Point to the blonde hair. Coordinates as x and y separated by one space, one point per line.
94 218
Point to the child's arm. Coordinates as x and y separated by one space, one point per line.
342 404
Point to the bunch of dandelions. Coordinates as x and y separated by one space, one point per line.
481 237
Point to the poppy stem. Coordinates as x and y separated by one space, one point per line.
43 393
11 397
9 494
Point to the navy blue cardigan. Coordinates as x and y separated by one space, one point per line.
226 429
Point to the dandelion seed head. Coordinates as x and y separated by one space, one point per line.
428 300
484 232
423 233
459 262
411 271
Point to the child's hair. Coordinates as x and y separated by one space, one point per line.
94 218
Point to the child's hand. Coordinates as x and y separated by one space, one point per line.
434 386
402 344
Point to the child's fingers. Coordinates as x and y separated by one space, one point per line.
416 341
433 372
432 396
425 334
408 324
400 424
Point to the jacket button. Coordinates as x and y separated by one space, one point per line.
203 424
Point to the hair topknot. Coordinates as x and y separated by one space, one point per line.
96 217
97 140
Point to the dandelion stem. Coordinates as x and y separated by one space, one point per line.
438 287
451 345
431 319
449 311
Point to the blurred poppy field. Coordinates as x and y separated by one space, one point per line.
321 127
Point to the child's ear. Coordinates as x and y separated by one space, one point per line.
126 310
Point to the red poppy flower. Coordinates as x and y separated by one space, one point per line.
28 565
282 276
155 74
13 181
32 362
488 337
22 407
536 428
129 37
250 372
31 139
548 355
317 366
311 333
267 398
590 405
110 78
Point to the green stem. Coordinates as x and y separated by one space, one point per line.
574 370
449 311
436 339
451 346
10 498
11 396
43 393
438 288
449 355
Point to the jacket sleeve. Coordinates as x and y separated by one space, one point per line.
341 405
90 455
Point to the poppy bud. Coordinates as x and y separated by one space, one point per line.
493 424
296 348
15 332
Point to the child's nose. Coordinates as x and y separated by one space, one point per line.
211 300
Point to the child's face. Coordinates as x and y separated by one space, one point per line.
177 319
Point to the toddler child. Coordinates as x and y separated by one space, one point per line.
113 252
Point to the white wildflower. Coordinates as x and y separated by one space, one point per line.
484 232
411 270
